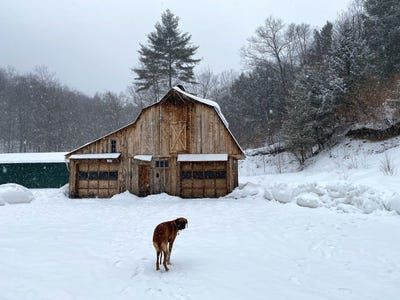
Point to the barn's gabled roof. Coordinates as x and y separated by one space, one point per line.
211 103
174 91
206 102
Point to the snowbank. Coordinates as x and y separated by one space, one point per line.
245 190
340 196
12 193
125 196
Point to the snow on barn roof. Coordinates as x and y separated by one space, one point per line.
36 157
202 157
214 104
143 157
204 101
95 156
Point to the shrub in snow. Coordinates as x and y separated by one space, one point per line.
282 193
310 200
13 193
386 166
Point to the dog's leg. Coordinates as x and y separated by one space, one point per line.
165 251
171 244
159 257
165 261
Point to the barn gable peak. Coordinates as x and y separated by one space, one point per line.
182 94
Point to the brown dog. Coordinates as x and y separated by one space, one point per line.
164 237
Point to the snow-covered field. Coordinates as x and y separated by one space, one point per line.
248 245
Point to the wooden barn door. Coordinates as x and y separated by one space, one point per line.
161 174
203 179
144 180
178 137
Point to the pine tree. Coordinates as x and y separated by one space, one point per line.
351 54
311 109
322 44
383 30
298 131
167 58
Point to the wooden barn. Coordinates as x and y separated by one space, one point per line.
180 145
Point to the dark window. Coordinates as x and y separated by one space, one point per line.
113 146
113 176
186 175
209 174
162 164
198 175
220 174
83 175
103 175
93 175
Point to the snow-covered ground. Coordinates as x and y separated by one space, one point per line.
348 177
244 246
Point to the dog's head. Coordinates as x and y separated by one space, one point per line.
181 223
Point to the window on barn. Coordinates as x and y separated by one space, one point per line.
83 175
209 174
93 175
198 175
162 163
186 175
220 174
113 146
113 176
103 175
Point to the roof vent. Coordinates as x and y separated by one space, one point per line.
180 86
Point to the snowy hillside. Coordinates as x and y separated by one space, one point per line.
244 246
348 177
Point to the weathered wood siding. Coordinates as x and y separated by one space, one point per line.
165 130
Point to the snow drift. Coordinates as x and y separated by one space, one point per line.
339 196
12 193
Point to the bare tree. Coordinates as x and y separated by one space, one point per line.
269 42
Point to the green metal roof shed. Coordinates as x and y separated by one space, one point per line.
34 170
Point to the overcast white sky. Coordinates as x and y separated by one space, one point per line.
92 44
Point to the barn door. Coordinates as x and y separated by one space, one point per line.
178 137
161 176
144 180
203 179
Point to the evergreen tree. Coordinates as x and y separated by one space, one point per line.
322 44
351 54
311 109
167 58
383 29
352 61
298 130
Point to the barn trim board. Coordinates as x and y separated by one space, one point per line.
180 145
